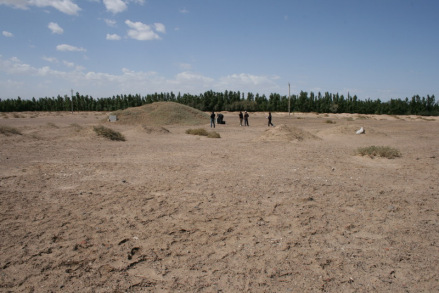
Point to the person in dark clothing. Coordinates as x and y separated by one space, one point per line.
246 118
220 119
269 119
212 119
241 117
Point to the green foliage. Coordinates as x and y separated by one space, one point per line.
7 130
203 132
108 133
380 151
233 101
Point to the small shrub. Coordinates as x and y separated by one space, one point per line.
330 121
213 134
198 131
380 151
76 127
53 125
426 119
108 133
7 130
203 132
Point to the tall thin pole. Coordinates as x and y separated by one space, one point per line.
289 100
72 99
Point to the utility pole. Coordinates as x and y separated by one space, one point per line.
289 100
72 99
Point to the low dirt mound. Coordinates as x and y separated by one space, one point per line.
286 133
351 130
162 113
155 129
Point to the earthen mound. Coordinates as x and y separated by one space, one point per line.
155 129
351 129
160 114
286 133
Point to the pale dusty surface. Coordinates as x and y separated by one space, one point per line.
289 210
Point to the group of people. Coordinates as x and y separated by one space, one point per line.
242 117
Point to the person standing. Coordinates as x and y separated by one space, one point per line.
212 119
269 119
241 117
246 118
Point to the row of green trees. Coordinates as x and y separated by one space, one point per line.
233 101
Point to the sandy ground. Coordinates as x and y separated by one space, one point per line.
258 210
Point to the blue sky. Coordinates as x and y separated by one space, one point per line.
369 48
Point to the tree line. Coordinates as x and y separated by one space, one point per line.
233 101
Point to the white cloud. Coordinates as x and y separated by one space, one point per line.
248 82
46 81
140 31
248 79
65 6
113 37
184 11
68 64
160 27
115 6
15 66
143 32
12 85
110 22
185 66
50 59
7 34
191 77
141 2
65 47
55 28
21 4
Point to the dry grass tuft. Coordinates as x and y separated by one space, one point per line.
213 134
329 121
198 131
52 125
7 130
76 127
203 132
108 133
379 151
155 129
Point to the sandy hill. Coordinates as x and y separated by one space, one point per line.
162 113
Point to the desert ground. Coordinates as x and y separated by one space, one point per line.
289 208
